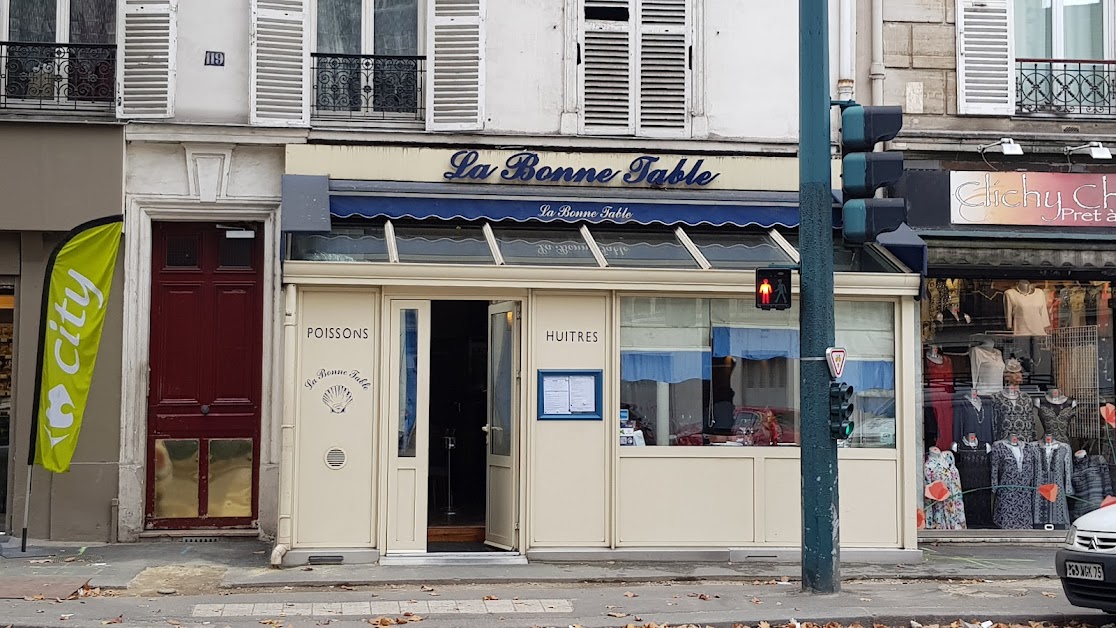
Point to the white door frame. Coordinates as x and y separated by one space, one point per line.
139 213
510 540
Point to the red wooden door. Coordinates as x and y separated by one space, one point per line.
203 418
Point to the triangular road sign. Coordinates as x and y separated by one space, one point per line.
835 357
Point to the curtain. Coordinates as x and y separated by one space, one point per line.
1084 29
93 21
339 27
32 21
395 23
1033 19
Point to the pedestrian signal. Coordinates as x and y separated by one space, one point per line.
773 288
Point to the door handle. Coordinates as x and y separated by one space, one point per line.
485 429
205 410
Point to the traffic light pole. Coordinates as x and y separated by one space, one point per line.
821 561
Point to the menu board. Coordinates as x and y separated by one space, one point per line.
570 395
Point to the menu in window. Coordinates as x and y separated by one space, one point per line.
556 395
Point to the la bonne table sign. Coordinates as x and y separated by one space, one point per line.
526 166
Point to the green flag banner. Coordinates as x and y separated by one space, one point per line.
75 298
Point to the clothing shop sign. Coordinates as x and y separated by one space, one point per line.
1032 199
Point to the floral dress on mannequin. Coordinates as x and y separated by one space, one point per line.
948 514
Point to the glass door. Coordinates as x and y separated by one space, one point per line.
408 415
501 427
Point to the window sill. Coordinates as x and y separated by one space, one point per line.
327 124
790 452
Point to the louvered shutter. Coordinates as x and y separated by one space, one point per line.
455 66
985 58
607 72
278 65
663 68
145 73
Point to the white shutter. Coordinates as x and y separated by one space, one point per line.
145 63
455 65
664 68
985 58
607 72
278 65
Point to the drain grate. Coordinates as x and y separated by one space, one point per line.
199 539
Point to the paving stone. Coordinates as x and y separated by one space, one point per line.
499 606
327 608
262 610
208 610
237 610
557 606
475 607
297 608
528 606
442 606
413 606
355 608
383 608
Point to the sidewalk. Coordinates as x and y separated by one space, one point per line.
243 564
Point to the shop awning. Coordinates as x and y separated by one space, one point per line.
907 247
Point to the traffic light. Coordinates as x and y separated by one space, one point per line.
840 410
773 288
864 217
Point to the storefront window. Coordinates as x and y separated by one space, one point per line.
1016 375
443 245
721 372
643 249
345 243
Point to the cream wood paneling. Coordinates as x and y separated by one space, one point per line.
695 501
782 507
336 409
568 498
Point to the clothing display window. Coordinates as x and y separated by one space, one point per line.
721 372
7 356
1015 372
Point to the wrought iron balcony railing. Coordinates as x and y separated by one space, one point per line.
1065 87
368 87
71 77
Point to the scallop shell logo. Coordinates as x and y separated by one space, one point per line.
337 398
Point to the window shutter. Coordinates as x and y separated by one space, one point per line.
985 58
664 68
145 74
607 73
278 63
455 66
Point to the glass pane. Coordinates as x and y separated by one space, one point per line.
236 252
339 27
867 331
744 250
1033 29
230 478
343 244
395 27
1083 26
92 21
501 329
408 382
31 21
182 252
643 249
543 247
176 478
443 245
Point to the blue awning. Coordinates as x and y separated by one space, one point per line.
907 246
564 210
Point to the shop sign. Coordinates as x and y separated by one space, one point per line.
1032 199
529 167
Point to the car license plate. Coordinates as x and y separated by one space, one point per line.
1084 571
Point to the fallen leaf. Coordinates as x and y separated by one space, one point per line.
382 621
272 622
490 597
426 588
615 614
346 587
119 619
323 622
70 559
763 624
611 606
914 624
1049 594
630 594
757 601
174 622
65 616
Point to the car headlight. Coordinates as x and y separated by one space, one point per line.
1071 536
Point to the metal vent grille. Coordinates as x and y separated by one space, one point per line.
335 458
199 539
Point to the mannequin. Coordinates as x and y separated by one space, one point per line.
1091 483
1014 464
973 416
948 514
1026 310
939 384
1054 467
987 368
974 465
1055 411
1013 412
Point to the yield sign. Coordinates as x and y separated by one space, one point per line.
835 357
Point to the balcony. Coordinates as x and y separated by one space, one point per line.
362 88
1065 87
36 77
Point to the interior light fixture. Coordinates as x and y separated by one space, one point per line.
1006 145
1096 150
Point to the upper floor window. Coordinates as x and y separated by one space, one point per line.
1061 29
58 54
367 59
634 67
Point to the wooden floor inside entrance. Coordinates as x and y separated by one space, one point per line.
455 534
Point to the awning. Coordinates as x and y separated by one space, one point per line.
907 246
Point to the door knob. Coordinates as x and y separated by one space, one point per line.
205 410
485 429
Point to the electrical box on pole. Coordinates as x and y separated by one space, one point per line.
863 217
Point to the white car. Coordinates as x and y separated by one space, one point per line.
1087 562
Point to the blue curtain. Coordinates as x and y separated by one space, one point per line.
755 343
672 367
869 375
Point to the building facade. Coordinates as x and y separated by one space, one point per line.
434 275
1009 120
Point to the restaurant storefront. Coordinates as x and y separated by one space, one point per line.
1017 349
558 355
